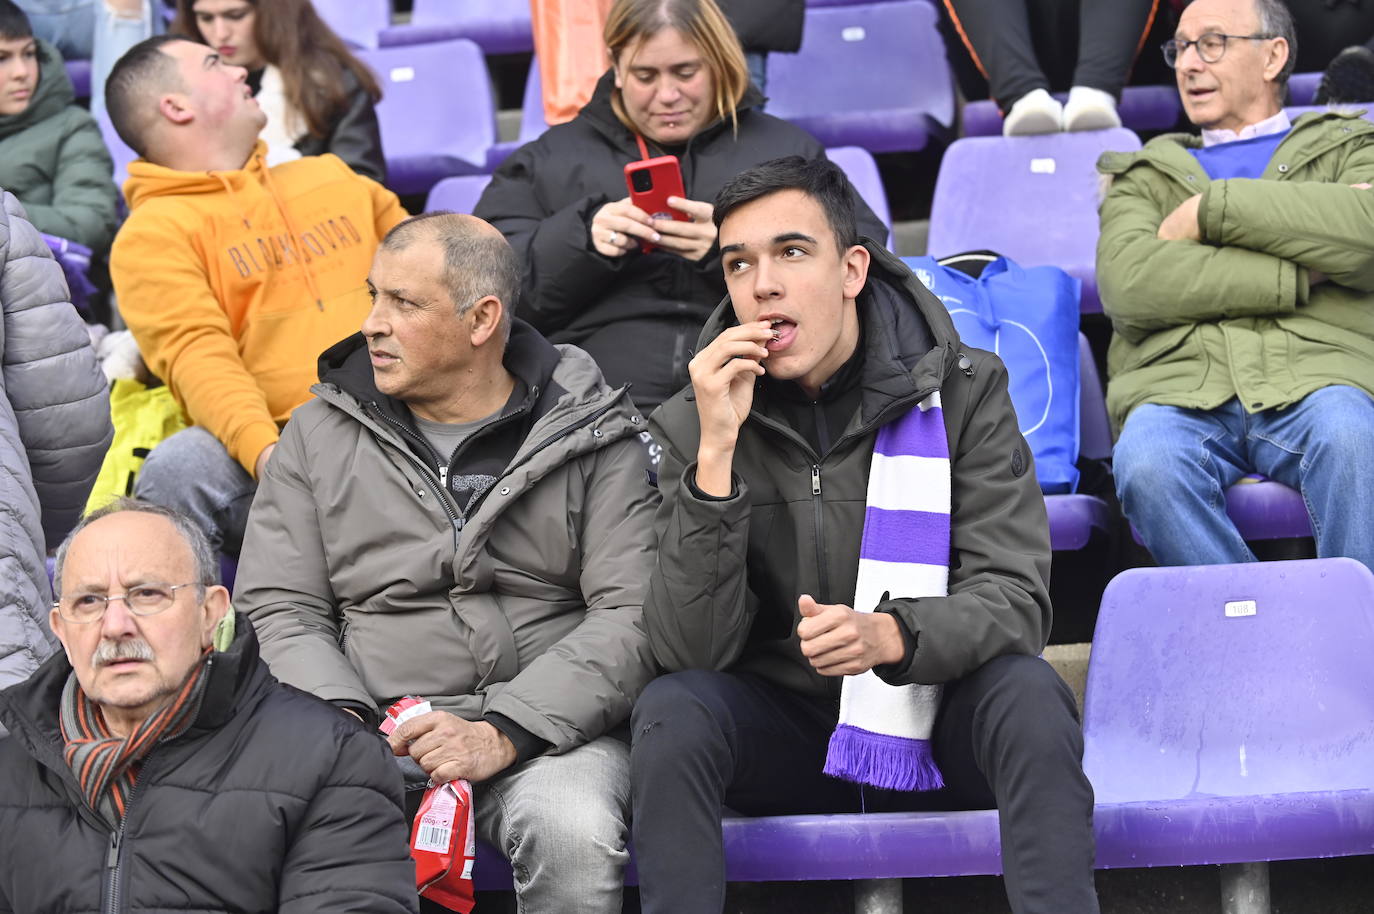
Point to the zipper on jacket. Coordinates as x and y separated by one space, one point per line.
112 871
435 482
824 595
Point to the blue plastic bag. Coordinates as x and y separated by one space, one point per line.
1029 317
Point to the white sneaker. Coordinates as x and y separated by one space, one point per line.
1035 112
1090 109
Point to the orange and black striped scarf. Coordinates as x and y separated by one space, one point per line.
106 765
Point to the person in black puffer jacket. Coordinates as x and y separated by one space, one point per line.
163 768
678 84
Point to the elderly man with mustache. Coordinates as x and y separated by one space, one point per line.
155 763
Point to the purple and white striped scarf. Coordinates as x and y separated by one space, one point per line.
883 736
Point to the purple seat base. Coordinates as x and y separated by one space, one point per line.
1073 518
1142 108
890 130
1185 832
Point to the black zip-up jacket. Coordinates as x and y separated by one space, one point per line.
638 315
271 801
724 592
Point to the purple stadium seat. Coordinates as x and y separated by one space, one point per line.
120 153
75 260
1075 516
431 130
1294 111
79 72
1142 108
1228 714
1032 198
1263 509
532 123
1302 88
457 195
356 21
862 172
497 26
871 75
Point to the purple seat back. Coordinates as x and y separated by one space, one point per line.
497 26
356 21
1142 108
119 152
1302 88
862 172
1296 111
1094 427
1267 510
431 130
532 123
79 72
1032 198
1232 680
458 194
871 75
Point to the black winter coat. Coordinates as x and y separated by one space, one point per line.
637 315
767 25
271 801
354 136
795 521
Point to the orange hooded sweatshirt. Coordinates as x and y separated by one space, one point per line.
233 283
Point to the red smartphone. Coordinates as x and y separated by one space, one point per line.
651 182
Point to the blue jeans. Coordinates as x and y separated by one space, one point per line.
193 473
87 30
561 820
1173 466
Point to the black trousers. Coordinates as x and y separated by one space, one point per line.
1007 736
1007 48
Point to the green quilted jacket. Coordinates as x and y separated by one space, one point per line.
54 160
1237 315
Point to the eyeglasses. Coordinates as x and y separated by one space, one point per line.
143 600
1210 46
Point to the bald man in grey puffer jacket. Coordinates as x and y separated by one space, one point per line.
54 431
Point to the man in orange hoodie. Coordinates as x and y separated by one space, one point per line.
232 276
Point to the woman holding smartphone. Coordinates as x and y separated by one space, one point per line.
678 86
318 97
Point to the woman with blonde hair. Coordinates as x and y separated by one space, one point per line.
318 97
678 85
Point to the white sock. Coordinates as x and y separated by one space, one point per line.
1090 109
1035 112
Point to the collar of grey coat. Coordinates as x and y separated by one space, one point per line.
909 341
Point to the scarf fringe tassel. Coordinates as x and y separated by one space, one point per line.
879 760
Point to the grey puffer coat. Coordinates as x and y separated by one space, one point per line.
54 431
366 582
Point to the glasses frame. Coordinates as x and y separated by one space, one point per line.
1176 49
106 599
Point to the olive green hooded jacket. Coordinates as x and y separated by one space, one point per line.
1237 315
54 160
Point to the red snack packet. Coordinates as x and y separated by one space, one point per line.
443 843
443 838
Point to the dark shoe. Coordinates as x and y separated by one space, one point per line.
1348 78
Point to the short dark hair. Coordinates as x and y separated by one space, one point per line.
820 179
143 72
477 263
13 23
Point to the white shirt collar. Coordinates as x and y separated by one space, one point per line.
1276 124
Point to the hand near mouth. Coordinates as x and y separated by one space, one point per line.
723 376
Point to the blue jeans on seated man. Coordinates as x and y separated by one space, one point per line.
561 821
1173 466
193 473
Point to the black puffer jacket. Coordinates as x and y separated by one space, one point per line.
637 315
767 25
271 801
354 136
